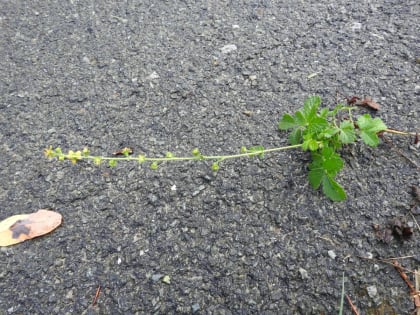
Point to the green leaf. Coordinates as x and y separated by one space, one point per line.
315 177
215 167
331 161
295 136
332 189
112 163
347 133
333 164
324 112
370 138
287 122
328 133
317 124
300 119
256 150
366 123
369 128
310 144
311 106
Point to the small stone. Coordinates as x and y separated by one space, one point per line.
166 279
356 26
303 273
153 76
69 295
195 307
253 77
332 254
228 48
369 255
156 277
372 291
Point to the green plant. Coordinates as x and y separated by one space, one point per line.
322 132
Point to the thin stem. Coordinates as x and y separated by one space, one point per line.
183 158
398 132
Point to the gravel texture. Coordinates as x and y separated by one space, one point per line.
173 75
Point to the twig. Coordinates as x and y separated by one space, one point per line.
353 307
95 299
415 221
399 132
416 297
403 275
413 290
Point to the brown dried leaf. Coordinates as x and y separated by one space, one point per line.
19 228
369 103
366 102
124 151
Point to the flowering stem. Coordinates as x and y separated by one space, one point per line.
80 155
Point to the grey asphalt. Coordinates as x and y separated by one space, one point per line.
162 76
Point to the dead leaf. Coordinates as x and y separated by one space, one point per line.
369 103
366 102
21 227
397 228
124 151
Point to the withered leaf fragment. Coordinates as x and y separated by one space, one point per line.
124 151
397 228
401 229
19 228
366 102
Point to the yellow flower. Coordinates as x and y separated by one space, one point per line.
49 152
85 152
74 156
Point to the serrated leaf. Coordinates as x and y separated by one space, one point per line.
309 142
332 189
324 113
333 164
313 145
317 124
287 122
295 136
311 106
300 118
347 133
370 138
328 133
366 123
315 177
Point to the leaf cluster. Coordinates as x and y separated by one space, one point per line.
323 132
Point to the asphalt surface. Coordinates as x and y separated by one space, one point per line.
161 75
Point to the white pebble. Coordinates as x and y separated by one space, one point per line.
332 254
303 273
372 291
228 48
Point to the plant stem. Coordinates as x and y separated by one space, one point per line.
184 158
397 132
